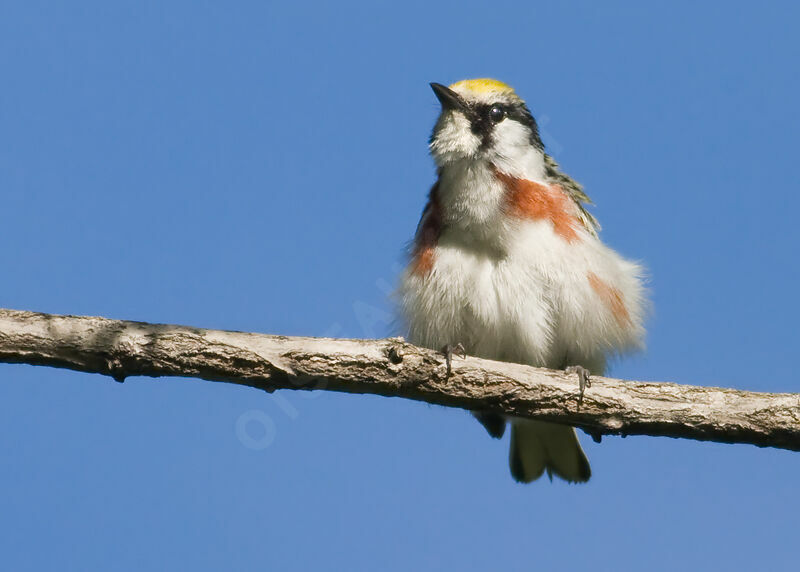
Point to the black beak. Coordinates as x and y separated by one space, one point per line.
449 98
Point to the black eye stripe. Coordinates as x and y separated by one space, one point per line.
488 112
497 113
483 123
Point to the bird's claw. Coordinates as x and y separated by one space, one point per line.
584 381
449 351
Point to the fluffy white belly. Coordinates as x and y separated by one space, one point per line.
533 303
495 306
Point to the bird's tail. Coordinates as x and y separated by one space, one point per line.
537 446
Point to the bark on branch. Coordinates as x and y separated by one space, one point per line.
392 367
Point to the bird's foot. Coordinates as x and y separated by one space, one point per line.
584 380
449 351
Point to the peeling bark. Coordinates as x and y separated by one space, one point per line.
394 368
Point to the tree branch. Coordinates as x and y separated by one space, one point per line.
392 367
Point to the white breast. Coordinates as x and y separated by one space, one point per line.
517 291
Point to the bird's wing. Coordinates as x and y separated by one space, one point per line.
574 191
430 220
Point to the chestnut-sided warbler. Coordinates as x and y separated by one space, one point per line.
506 263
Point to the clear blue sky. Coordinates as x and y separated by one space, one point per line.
259 166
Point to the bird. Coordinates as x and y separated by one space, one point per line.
507 264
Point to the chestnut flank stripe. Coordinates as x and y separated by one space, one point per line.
527 199
611 297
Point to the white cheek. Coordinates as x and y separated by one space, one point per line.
512 133
454 139
513 153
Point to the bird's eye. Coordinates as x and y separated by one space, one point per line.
497 113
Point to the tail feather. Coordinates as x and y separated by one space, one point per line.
537 446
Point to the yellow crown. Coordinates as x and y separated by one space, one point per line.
483 85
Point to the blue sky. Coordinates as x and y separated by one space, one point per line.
259 166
